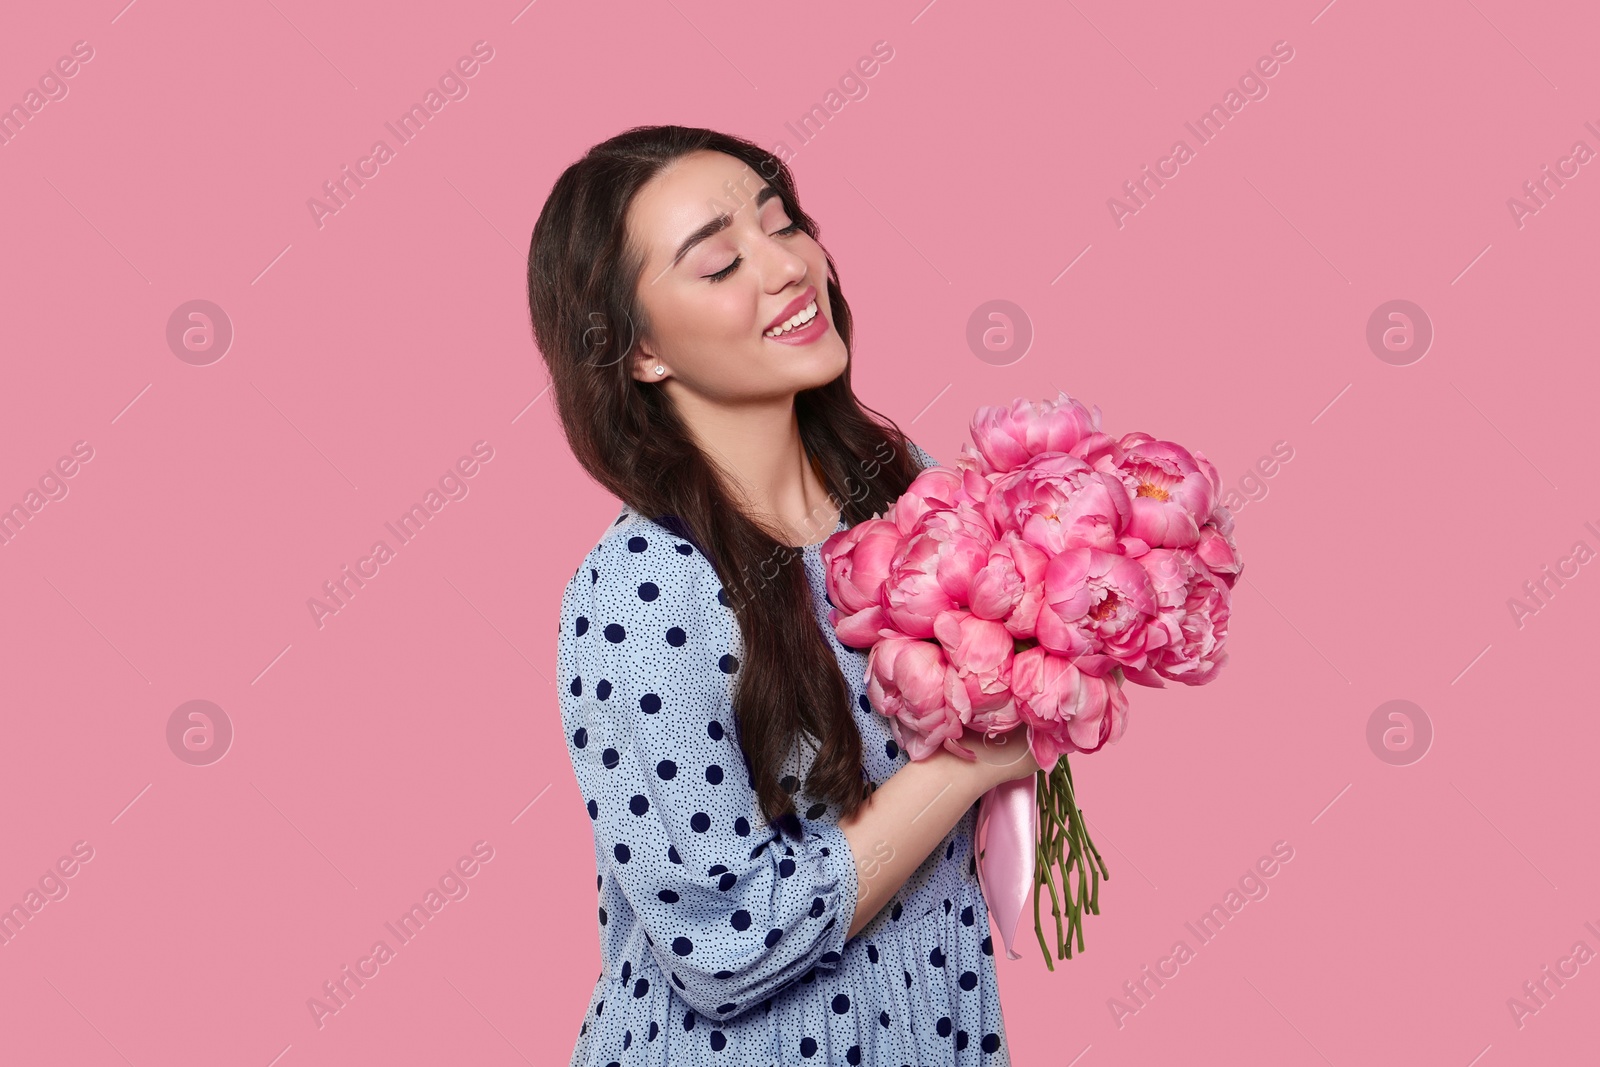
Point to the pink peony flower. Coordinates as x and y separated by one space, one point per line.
1065 709
1101 451
1210 470
856 562
1009 437
975 475
1102 717
1192 609
1058 502
906 682
935 488
859 629
1217 548
978 679
1171 493
1098 609
933 570
1010 585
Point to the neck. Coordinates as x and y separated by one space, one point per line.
758 446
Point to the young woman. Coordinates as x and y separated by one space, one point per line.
777 882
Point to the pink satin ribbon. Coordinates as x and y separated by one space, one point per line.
1007 829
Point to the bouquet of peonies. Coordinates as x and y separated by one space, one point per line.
1023 587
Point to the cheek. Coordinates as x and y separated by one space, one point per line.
727 312
702 328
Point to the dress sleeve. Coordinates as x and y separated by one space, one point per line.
733 912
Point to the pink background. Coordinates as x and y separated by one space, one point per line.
1229 313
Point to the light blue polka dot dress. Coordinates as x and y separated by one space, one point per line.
724 943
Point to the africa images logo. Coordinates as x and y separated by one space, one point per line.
452 86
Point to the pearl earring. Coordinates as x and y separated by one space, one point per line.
661 370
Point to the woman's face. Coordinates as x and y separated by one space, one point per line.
722 264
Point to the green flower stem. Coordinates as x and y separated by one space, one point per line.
1064 844
1043 855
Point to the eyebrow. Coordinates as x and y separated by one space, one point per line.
717 225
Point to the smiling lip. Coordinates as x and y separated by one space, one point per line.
793 307
803 335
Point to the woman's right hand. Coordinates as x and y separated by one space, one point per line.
1001 758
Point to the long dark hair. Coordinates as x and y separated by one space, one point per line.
583 277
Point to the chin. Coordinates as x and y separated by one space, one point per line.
801 367
827 360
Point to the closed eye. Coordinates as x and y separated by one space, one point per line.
792 228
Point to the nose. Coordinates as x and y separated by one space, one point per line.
783 266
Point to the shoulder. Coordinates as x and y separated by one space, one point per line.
638 561
923 458
645 616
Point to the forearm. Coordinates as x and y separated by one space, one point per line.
901 822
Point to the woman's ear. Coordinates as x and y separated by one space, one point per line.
643 363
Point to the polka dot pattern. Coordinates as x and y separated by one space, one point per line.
722 939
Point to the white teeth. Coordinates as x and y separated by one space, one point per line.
801 317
